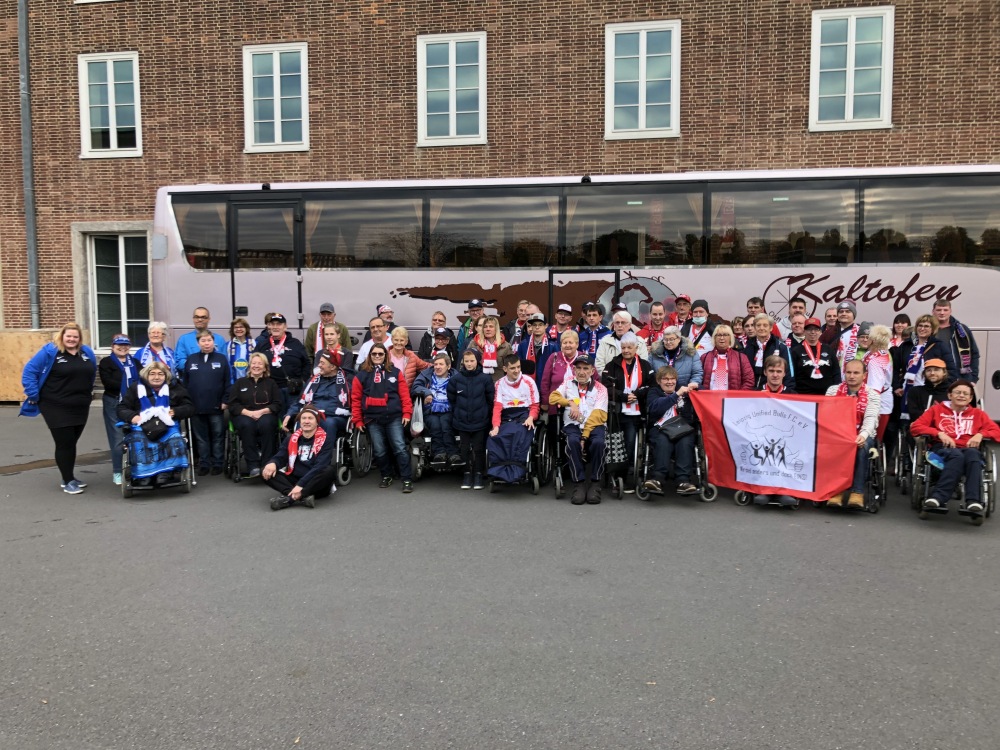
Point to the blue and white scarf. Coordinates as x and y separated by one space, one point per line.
239 358
130 372
439 392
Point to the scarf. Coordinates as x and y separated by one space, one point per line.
631 386
847 351
720 373
130 372
592 349
319 437
964 344
655 336
320 338
239 357
158 407
669 413
165 356
277 349
767 388
914 375
489 350
439 392
860 406
670 356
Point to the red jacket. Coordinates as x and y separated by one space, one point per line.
958 426
741 376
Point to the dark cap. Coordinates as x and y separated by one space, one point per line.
327 307
591 306
310 409
701 303
476 303
442 332
278 318
620 306
583 359
865 327
813 323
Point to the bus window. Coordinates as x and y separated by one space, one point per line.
265 236
627 227
375 233
202 228
940 223
783 224
496 230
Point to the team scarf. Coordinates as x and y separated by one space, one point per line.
165 357
277 349
320 338
158 407
896 341
669 413
860 406
814 358
439 394
847 352
319 437
631 386
720 373
964 343
914 375
670 356
655 336
130 372
239 357
489 350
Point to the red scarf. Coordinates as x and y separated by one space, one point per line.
631 386
860 406
293 447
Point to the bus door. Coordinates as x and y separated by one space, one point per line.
265 269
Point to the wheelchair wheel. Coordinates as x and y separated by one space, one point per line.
344 476
543 456
187 479
534 485
709 493
361 452
617 487
989 481
418 467
126 481
641 492
557 482
742 497
635 470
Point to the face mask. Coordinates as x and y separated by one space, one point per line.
700 320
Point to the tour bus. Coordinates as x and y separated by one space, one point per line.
893 240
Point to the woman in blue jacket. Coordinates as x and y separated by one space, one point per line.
59 384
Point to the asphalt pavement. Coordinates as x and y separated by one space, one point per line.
461 619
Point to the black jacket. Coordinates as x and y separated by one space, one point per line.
207 381
921 397
828 366
933 350
773 345
471 393
613 378
427 346
180 402
249 394
296 364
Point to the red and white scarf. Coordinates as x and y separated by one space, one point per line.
849 350
860 406
489 350
631 386
277 349
319 437
720 373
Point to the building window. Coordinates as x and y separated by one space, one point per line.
109 105
120 288
276 97
642 63
451 89
850 85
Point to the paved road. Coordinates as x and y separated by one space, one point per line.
451 619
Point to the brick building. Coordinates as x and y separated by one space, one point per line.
131 95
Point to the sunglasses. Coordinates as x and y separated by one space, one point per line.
377 354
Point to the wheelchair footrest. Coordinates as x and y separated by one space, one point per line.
943 510
971 513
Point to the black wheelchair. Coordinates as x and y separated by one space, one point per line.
925 474
558 458
707 492
352 454
175 450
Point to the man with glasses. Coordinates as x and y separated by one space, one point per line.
188 343
564 322
378 333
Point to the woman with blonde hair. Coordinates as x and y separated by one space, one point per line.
405 360
492 346
878 366
58 384
255 402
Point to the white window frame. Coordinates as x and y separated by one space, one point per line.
248 130
610 32
450 140
89 238
86 150
887 13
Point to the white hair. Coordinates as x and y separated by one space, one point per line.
157 325
630 338
622 315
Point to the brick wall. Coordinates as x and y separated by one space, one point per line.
744 99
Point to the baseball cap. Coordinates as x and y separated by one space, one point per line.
565 308
536 318
813 323
935 363
685 297
583 359
327 307
278 318
442 332
476 303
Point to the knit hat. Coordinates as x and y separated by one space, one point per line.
334 358
700 303
848 304
865 327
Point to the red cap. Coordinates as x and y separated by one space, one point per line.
813 322
683 297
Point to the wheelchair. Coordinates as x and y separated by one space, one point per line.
924 475
522 469
875 493
235 466
558 458
352 454
707 492
180 476
904 458
421 459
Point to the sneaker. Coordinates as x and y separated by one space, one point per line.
386 482
280 502
856 500
974 507
594 494
203 471
686 488
117 478
216 470
478 483
579 496
440 458
407 486
837 501
309 501
467 481
254 472
653 486
456 460
931 503
81 485
72 487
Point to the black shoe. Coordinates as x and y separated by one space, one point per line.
467 481
309 501
203 471
281 502
477 482
594 494
407 486
254 472
440 458
579 496
761 500
386 482
216 470
456 460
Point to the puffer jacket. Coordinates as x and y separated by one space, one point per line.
471 394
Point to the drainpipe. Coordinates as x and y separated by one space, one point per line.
27 163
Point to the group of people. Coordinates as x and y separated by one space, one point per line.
473 383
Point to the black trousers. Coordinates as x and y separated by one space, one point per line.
66 439
474 450
257 437
317 487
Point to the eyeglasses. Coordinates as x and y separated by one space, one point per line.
200 317
377 354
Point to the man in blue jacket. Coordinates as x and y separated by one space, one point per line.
187 344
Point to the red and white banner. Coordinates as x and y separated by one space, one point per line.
764 444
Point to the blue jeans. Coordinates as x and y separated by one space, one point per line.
384 437
209 439
959 462
595 452
861 466
115 435
442 438
332 426
665 451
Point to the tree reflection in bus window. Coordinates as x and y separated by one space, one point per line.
202 227
265 237
375 233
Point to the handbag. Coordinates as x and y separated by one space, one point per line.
417 420
154 429
615 448
676 427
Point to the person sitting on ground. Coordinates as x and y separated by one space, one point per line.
585 415
673 350
303 468
329 392
206 376
431 387
254 403
610 346
725 368
955 429
665 402
815 363
762 345
593 329
471 394
866 422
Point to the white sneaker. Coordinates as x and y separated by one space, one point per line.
974 507
117 478
931 503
